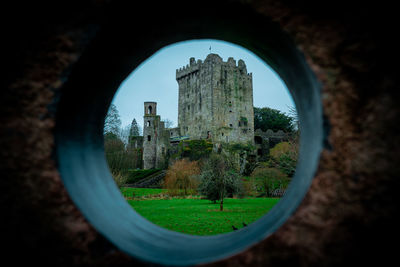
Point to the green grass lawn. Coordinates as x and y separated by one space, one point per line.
200 216
139 192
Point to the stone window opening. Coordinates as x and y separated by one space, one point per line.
245 123
222 134
148 123
258 139
188 107
239 124
230 125
149 138
149 109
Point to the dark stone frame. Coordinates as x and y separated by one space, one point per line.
89 91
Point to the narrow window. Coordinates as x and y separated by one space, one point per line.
258 139
239 124
231 125
148 138
200 101
188 107
222 134
148 123
149 109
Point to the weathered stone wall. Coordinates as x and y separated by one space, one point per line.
156 138
135 142
162 146
174 132
216 99
151 127
264 141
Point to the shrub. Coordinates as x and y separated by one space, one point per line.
284 157
181 178
267 180
196 149
249 187
119 179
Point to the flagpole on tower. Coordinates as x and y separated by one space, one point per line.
210 49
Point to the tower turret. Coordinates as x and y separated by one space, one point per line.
150 134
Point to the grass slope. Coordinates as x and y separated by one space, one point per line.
201 217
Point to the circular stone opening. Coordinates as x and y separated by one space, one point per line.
85 98
261 155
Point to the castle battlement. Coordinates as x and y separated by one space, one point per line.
210 59
270 133
188 69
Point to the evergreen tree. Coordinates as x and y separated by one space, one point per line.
134 128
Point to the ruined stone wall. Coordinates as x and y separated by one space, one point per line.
150 132
264 141
135 142
155 138
150 142
162 144
174 132
216 99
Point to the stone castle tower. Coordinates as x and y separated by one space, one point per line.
155 138
216 100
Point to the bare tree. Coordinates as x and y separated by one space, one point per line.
293 113
124 134
168 123
112 123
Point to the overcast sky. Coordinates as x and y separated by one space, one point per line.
154 80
